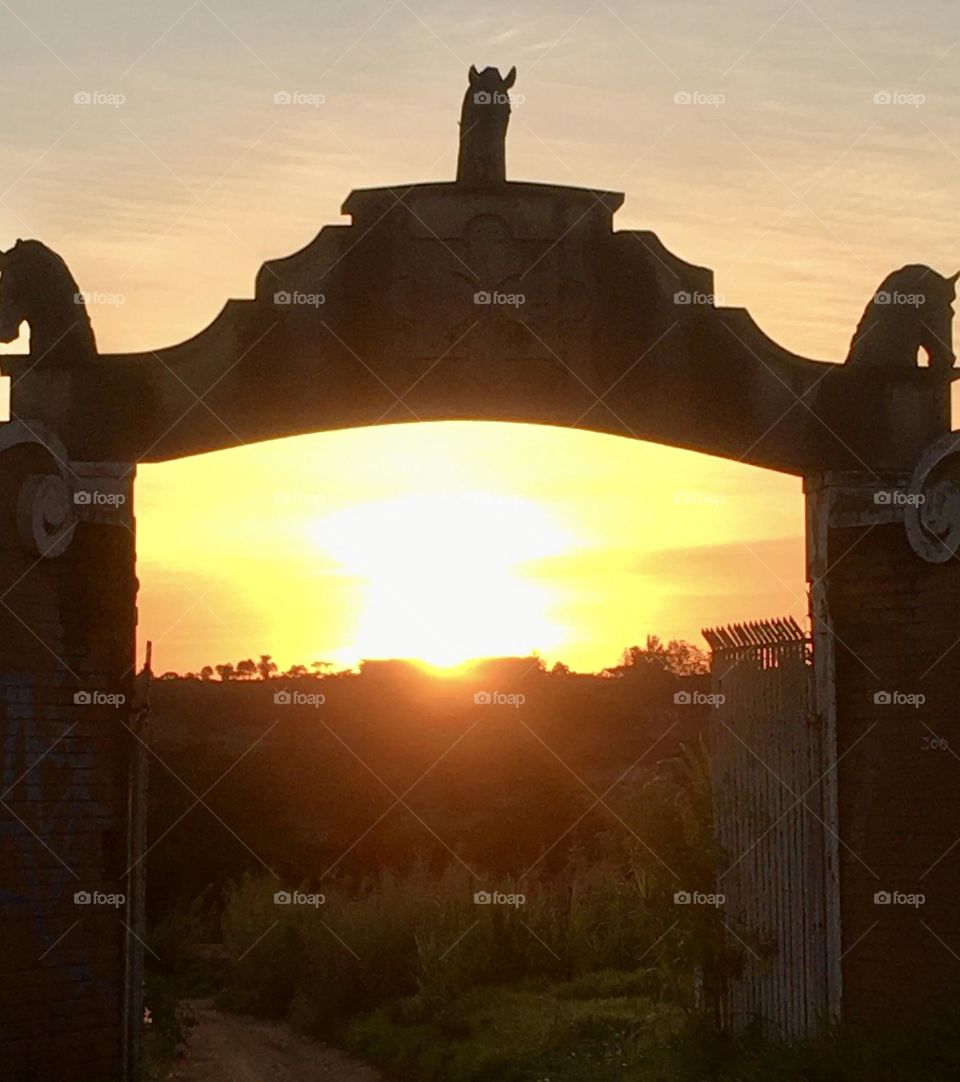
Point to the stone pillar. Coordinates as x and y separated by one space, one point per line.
67 626
885 608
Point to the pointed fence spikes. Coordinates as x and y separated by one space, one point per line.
753 634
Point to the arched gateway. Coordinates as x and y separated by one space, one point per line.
495 300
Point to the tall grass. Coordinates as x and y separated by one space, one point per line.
598 975
421 936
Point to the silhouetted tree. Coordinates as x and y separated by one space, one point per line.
246 669
206 673
676 656
266 666
296 672
319 667
225 671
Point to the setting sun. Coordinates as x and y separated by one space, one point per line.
442 576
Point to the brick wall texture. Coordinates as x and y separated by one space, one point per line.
896 620
66 626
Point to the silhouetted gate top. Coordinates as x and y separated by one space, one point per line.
505 301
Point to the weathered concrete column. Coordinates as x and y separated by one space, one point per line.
886 622
70 998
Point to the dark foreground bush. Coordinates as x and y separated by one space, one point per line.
553 1034
524 1034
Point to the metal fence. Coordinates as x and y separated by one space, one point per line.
769 779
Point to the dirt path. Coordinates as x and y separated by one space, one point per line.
232 1048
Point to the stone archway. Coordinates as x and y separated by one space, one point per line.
484 299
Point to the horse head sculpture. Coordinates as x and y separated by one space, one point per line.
483 127
912 309
37 288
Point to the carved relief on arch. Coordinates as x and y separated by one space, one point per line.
43 504
51 492
933 507
490 251
46 517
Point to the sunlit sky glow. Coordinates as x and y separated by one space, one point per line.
443 540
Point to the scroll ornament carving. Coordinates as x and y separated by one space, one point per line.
45 515
933 509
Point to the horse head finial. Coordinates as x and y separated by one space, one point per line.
38 289
911 310
483 127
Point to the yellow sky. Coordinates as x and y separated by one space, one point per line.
444 541
802 189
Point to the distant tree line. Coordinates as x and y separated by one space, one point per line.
676 656
248 669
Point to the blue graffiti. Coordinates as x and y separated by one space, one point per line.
59 816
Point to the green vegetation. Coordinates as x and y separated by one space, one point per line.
548 1034
592 979
591 967
547 1031
595 974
